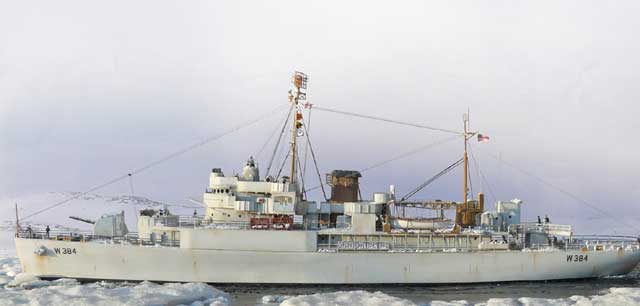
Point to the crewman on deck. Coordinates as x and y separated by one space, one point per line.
47 230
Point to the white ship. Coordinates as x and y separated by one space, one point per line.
264 230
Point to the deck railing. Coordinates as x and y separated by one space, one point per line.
547 228
84 236
591 243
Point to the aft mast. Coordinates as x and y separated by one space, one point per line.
467 211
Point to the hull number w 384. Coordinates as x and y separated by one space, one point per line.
65 251
577 258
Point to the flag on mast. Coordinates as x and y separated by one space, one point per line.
483 138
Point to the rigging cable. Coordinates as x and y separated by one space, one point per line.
276 147
476 166
264 146
304 192
315 161
432 179
135 206
159 161
306 144
483 179
284 162
386 120
403 155
470 182
409 153
566 193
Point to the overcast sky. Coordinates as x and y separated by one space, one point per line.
90 91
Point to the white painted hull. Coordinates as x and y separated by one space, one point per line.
172 264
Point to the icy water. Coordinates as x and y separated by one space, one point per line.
423 294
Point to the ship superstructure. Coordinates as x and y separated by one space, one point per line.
263 229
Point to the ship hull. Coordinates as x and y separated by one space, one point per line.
172 264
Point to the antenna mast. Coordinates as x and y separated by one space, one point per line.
467 211
465 191
300 82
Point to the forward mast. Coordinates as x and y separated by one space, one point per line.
300 83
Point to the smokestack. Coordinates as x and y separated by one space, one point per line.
344 185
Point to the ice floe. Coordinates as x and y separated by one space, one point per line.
23 289
9 268
610 297
346 298
71 293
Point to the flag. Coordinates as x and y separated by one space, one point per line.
483 138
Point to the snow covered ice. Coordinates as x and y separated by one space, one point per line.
346 298
9 268
23 289
71 293
611 297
